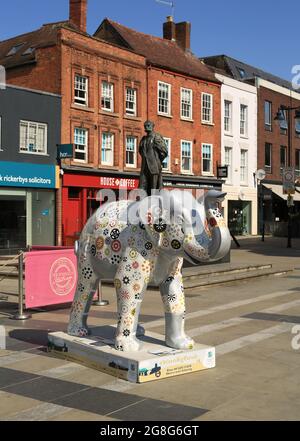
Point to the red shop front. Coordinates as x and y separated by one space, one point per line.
80 199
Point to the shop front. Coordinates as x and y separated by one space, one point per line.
27 205
81 196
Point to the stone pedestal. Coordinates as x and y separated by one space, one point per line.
154 361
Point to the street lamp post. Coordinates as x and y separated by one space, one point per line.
280 118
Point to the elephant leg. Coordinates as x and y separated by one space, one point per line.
85 291
172 293
131 282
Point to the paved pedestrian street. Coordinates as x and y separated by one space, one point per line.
250 322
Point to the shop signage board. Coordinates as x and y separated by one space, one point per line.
288 180
114 182
54 282
222 171
15 174
65 151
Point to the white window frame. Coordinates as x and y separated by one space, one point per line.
112 149
168 158
129 111
228 118
108 95
244 121
24 146
188 103
245 167
268 121
134 151
83 88
84 150
169 87
203 108
190 171
228 163
210 172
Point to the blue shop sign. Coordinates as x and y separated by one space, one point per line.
15 174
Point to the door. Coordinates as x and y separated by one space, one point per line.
12 223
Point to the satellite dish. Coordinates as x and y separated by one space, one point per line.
260 174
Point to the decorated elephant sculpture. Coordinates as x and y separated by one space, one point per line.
141 242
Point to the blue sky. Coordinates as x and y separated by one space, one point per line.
259 32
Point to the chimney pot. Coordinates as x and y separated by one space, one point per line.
169 18
78 14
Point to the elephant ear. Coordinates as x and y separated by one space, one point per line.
153 219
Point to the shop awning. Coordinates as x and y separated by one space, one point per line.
277 189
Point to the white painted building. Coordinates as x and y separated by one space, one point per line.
239 153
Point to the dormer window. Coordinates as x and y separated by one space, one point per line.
29 51
14 49
241 72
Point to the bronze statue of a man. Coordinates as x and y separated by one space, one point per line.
153 151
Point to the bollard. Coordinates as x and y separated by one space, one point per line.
100 301
21 315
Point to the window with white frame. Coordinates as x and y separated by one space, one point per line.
207 108
130 107
80 145
227 116
186 103
186 156
268 116
164 98
244 120
81 90
228 162
207 163
107 148
33 137
107 96
244 166
166 165
131 151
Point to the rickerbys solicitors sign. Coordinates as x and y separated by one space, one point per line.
15 174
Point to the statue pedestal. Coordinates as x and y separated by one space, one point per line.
154 361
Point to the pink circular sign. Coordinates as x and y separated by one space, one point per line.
62 276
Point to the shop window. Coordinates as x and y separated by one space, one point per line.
33 137
166 165
207 163
131 151
81 90
268 157
81 145
207 108
186 156
74 193
130 105
107 96
107 149
186 103
164 98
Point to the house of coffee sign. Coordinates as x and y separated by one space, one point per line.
288 180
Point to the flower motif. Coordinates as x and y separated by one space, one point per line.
146 266
100 243
136 287
93 250
126 332
107 252
124 310
116 246
134 228
105 232
115 233
144 253
128 267
131 241
126 280
125 295
117 283
133 253
136 275
165 243
103 223
213 222
135 265
175 244
171 297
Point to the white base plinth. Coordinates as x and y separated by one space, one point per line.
154 361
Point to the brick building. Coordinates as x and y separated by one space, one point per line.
109 86
272 139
